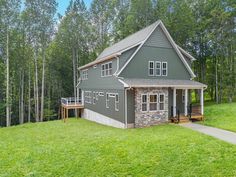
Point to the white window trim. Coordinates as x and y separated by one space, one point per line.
112 95
163 70
142 102
151 68
161 102
94 97
152 102
156 68
84 74
117 102
88 97
101 93
107 100
108 63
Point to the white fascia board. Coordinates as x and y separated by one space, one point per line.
176 49
186 53
172 86
141 44
125 84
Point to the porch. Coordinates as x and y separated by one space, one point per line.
71 103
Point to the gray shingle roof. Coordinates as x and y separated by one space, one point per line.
128 41
163 83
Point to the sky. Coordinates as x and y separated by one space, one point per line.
63 4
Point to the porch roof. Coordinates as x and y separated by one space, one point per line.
190 84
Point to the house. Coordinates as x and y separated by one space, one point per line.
144 79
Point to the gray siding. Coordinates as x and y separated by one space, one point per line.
138 67
158 39
130 106
100 106
156 48
95 81
125 56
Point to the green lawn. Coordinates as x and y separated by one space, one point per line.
83 148
221 116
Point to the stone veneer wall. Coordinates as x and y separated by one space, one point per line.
143 119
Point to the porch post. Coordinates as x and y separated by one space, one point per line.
174 102
202 102
186 102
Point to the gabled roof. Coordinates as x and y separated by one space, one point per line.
129 41
138 39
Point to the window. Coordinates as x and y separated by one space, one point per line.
85 74
106 69
158 68
153 102
117 102
164 68
144 103
94 97
88 97
151 68
101 93
112 95
107 100
97 96
161 101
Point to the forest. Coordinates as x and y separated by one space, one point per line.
40 50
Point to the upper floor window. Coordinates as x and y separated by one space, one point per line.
164 68
85 74
160 68
151 68
106 69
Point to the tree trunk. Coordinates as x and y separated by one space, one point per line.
216 75
22 99
74 73
42 90
36 89
29 102
8 121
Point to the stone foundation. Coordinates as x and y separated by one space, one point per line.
143 119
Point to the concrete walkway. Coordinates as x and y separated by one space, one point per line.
224 135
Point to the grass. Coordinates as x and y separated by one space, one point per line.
221 116
83 148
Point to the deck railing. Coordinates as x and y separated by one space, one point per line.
71 101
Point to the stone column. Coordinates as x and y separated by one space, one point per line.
186 102
202 101
174 102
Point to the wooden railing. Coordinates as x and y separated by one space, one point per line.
71 101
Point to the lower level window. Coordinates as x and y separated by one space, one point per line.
117 102
144 103
161 101
153 102
107 100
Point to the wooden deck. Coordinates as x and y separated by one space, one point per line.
71 103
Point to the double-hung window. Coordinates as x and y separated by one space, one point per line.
88 97
164 68
94 97
158 68
106 69
151 68
117 102
161 101
107 100
144 103
84 74
153 102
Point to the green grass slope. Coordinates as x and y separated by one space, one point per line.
221 116
83 148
